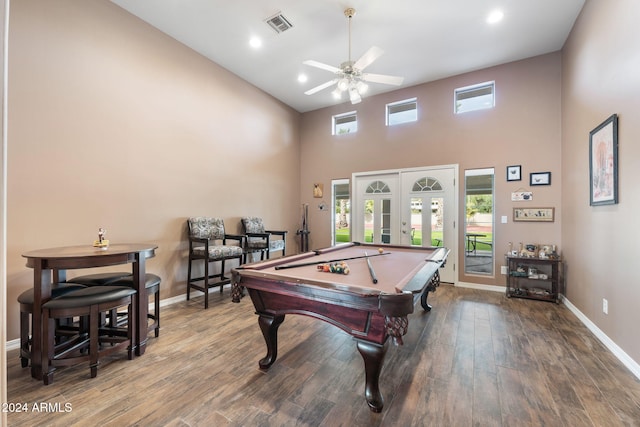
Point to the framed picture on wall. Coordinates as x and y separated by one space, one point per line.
603 163
533 214
318 190
540 178
514 173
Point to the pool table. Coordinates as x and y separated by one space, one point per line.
370 312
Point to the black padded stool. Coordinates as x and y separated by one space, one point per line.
152 285
99 279
87 302
26 310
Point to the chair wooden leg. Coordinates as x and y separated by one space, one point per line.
156 313
206 284
189 279
221 275
94 325
48 351
25 347
131 314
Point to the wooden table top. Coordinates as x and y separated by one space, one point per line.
89 250
59 257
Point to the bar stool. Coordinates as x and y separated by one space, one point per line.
26 310
99 279
152 285
88 302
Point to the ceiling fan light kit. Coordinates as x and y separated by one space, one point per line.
349 76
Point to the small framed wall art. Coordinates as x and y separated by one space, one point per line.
533 214
318 189
540 178
514 173
603 163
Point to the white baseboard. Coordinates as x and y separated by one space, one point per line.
13 344
491 288
627 361
623 357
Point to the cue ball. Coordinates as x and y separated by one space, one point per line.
380 250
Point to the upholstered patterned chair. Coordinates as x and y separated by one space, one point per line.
208 242
259 240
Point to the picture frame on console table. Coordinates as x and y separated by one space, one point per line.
533 214
603 163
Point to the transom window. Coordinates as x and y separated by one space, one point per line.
476 97
378 187
426 184
345 123
402 112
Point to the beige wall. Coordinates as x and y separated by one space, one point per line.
601 76
523 129
113 124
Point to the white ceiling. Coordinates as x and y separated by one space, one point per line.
423 40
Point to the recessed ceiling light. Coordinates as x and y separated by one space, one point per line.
302 78
495 17
255 42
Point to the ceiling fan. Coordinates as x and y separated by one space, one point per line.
349 77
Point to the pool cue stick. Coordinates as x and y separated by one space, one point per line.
304 264
373 273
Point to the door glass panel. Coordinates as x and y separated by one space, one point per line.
478 239
377 221
385 220
368 221
416 221
437 223
427 225
341 209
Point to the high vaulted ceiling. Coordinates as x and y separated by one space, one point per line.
422 40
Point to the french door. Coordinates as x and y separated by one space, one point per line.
377 209
409 207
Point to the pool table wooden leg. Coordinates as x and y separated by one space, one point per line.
269 326
431 287
373 356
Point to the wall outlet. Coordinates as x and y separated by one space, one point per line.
605 306
504 270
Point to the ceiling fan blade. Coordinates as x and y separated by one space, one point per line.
320 87
367 59
322 66
381 78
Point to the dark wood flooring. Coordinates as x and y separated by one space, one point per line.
477 359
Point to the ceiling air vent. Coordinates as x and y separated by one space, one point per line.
279 23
